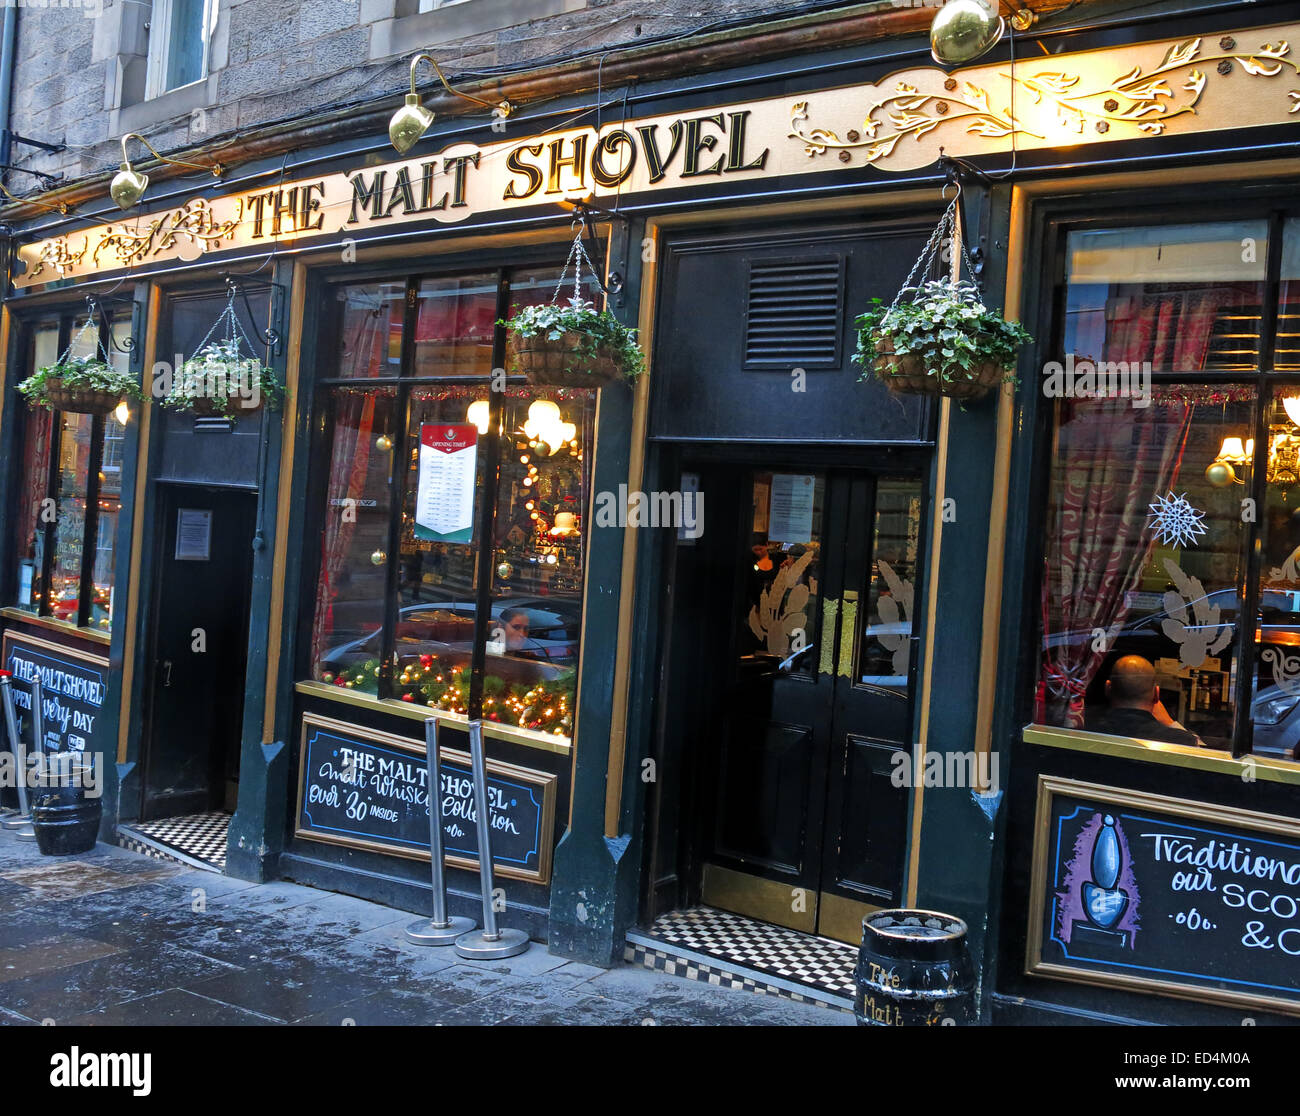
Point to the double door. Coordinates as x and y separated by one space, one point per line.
814 696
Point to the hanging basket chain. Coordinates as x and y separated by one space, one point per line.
99 343
577 258
949 225
234 331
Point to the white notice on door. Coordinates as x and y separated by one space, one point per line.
791 514
193 534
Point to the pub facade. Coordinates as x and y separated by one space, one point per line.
876 667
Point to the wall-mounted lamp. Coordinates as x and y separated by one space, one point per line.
965 29
412 120
128 185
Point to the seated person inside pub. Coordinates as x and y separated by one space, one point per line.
1134 708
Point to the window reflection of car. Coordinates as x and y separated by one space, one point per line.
895 685
1275 713
447 631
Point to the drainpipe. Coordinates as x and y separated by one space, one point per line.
8 39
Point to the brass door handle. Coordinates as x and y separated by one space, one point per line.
826 662
848 632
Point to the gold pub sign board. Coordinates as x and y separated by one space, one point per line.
1173 87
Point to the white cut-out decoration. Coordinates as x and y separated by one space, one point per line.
899 640
1175 521
1198 635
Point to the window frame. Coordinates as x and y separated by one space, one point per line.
1118 211
401 384
66 321
160 45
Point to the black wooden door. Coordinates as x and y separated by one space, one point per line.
199 643
809 829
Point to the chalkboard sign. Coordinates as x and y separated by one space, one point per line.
1165 895
369 789
74 684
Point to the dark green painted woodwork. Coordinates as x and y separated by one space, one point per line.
256 832
955 864
594 890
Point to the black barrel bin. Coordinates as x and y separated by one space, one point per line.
914 970
65 817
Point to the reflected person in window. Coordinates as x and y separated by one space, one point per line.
1134 707
514 623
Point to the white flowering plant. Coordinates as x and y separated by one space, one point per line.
217 380
946 327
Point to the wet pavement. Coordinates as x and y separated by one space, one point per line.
116 938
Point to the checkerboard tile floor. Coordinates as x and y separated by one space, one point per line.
737 952
197 837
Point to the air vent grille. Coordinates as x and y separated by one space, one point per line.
792 317
206 425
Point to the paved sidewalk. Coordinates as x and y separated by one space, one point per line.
116 938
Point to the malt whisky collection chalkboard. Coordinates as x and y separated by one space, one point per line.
1165 895
74 685
369 789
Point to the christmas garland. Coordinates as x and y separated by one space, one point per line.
539 706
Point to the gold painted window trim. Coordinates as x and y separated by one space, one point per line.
95 635
560 745
1268 768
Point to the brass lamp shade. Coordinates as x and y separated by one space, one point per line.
409 123
128 186
963 30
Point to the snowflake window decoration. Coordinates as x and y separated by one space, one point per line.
1175 521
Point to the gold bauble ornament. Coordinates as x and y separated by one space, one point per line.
963 30
1220 474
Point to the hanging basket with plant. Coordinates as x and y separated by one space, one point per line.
574 344
219 380
83 385
938 338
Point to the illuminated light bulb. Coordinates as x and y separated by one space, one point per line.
527 481
480 414
528 506
523 459
543 413
1291 404
122 413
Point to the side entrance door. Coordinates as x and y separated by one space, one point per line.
198 649
808 830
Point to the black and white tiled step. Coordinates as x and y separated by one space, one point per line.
732 951
197 840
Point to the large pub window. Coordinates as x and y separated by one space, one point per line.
1170 597
70 488
394 610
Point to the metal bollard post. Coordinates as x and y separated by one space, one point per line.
440 930
21 824
38 717
489 943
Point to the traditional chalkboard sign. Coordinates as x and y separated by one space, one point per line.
1165 895
74 685
368 789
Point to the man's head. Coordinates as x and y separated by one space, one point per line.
1132 683
515 623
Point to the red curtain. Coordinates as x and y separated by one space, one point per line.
1112 460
